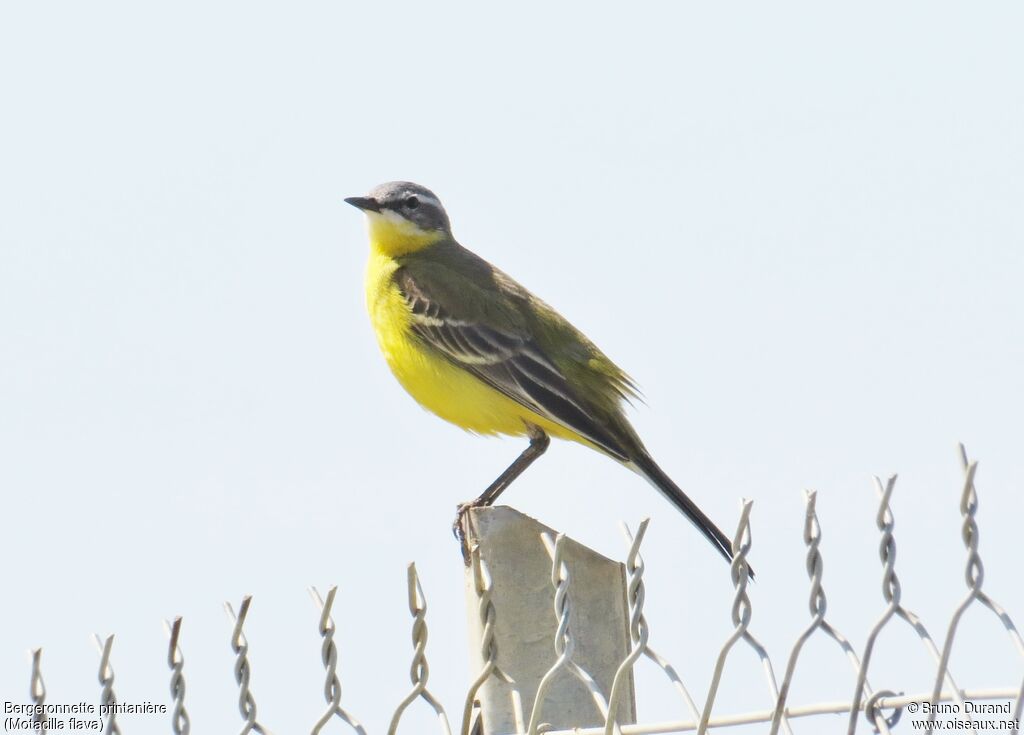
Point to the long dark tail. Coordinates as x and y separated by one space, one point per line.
657 477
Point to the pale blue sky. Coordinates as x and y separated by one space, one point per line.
799 226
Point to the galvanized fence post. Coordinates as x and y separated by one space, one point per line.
519 622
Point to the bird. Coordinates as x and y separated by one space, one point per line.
477 349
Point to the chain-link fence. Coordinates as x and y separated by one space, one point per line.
528 704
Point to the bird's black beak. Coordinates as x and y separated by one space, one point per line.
367 204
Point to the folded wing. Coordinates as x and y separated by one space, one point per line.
507 359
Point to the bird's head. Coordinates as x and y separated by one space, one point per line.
403 217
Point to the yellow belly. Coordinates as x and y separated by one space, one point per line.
439 386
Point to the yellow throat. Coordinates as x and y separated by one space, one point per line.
392 235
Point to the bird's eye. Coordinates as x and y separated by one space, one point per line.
412 203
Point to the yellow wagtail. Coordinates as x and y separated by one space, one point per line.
479 350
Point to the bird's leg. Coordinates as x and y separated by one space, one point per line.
539 442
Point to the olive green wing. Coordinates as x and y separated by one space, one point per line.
466 312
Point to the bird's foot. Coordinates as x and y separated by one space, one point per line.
460 527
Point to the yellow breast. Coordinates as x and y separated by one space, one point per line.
439 386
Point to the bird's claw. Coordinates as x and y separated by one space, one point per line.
461 525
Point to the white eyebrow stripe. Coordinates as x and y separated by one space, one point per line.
425 198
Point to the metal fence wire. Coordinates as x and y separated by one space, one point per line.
880 708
